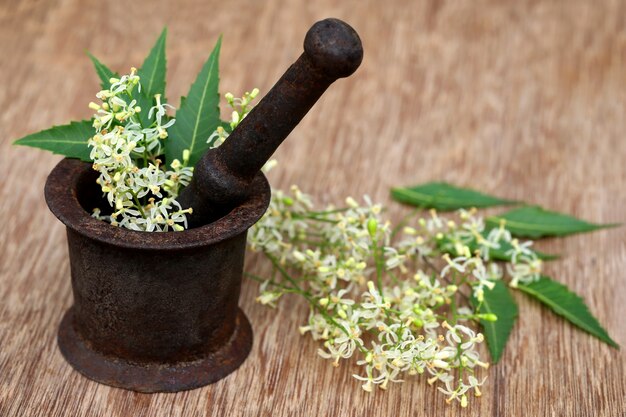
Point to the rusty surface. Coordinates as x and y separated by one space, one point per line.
152 311
154 376
224 176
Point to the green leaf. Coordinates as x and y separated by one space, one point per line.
103 72
497 301
445 197
535 222
567 304
153 70
199 113
69 140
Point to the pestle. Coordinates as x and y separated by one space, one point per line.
222 177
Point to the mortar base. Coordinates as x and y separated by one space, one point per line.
155 377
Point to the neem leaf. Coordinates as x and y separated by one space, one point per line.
153 71
69 140
497 301
445 197
567 304
535 222
103 72
199 113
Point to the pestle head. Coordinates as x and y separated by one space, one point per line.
334 47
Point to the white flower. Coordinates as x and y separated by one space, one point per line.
456 264
374 304
159 110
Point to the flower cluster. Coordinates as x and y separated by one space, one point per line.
402 306
141 191
126 151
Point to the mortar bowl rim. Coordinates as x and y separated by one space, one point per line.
61 194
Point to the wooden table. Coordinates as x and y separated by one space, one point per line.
522 99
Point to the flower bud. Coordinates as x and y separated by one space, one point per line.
440 364
175 164
372 227
351 202
487 317
409 231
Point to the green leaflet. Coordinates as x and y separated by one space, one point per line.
535 222
497 301
567 304
69 140
153 70
103 72
445 197
199 113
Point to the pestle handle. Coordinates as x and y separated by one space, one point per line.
332 50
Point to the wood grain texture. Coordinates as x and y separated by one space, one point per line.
524 99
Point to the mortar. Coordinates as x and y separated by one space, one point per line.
157 312
152 311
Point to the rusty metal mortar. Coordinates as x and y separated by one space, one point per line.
157 312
